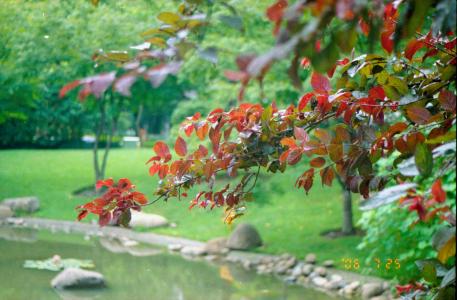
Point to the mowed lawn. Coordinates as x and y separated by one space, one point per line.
288 220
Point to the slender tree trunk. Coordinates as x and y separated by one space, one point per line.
348 223
98 132
138 123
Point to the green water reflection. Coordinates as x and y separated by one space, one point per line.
160 277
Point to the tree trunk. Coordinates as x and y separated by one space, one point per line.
348 223
348 226
138 123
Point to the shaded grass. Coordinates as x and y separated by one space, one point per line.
288 220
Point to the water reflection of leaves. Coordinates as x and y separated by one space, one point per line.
53 264
224 273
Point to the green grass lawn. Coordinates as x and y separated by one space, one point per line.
288 220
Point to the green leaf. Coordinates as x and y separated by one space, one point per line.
168 17
429 273
424 159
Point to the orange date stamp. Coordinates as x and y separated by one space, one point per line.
380 264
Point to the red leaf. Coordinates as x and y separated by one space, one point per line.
139 197
107 182
320 83
68 87
304 101
163 171
104 218
294 156
124 184
154 169
202 130
162 150
439 195
412 47
276 11
327 175
154 158
288 141
82 214
377 92
317 162
300 134
447 100
419 115
283 156
180 146
200 152
387 41
188 129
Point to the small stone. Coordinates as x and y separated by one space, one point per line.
289 279
302 280
247 264
328 263
216 245
174 247
307 269
310 258
321 271
372 289
319 281
351 288
297 270
77 278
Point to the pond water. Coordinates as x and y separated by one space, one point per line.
163 276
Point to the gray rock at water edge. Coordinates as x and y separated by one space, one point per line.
77 278
328 263
319 281
336 282
193 251
373 289
350 289
216 246
311 258
321 271
27 204
297 270
141 219
244 237
307 269
174 247
5 212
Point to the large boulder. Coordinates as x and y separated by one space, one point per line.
216 246
141 219
244 237
77 278
26 204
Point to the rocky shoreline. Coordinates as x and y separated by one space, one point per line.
307 272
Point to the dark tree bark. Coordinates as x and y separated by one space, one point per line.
347 227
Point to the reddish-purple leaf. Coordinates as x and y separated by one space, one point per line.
180 146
